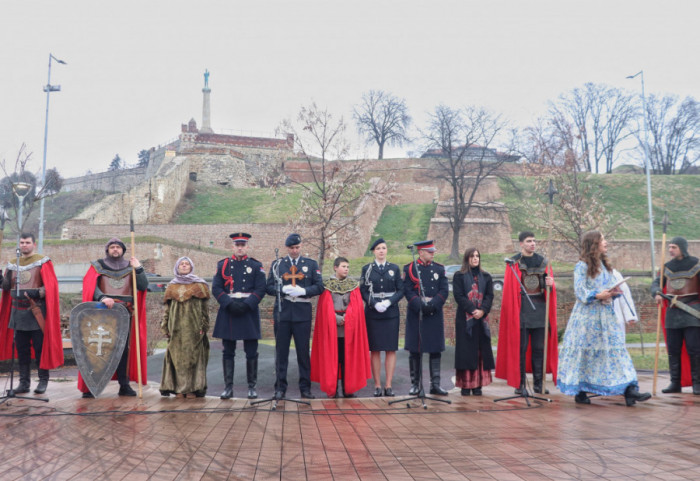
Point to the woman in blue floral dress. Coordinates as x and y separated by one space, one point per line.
593 358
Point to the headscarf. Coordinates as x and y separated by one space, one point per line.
186 279
115 264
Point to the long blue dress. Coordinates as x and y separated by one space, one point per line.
593 357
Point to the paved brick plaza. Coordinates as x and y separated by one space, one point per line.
474 438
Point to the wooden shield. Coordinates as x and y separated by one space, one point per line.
98 336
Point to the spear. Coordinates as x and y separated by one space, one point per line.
661 304
550 193
136 308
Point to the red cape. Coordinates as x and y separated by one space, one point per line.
89 284
508 353
52 350
686 376
324 349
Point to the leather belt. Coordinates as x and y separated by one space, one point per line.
239 295
296 299
382 295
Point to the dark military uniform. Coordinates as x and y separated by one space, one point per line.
294 317
377 285
682 279
238 287
425 312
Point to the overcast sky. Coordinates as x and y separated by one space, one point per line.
134 69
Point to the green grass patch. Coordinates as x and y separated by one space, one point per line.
402 224
646 362
624 197
228 205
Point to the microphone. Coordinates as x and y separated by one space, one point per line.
410 246
508 260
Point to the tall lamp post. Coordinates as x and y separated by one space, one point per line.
647 167
48 88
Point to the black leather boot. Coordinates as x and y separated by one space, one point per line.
251 368
695 372
632 395
523 385
24 381
435 377
674 368
537 373
414 366
43 381
228 379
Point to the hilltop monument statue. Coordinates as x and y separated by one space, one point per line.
206 106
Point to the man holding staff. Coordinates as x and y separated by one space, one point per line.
109 280
681 283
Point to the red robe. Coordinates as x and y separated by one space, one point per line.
89 284
508 353
686 376
324 350
52 348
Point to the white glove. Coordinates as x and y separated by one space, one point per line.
386 303
297 291
287 289
380 307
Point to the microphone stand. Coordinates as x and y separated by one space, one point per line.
276 399
421 392
524 392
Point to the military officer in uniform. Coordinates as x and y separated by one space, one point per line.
426 290
293 280
238 287
682 279
381 287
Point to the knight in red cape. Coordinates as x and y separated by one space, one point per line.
521 330
340 350
37 280
109 280
682 329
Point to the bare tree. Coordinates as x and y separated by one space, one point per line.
462 141
602 117
382 118
19 173
576 208
673 134
332 201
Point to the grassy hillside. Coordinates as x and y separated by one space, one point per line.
213 205
57 209
625 198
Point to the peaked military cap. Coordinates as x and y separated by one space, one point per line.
428 245
240 237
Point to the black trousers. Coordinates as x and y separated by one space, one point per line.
536 338
123 367
675 337
250 346
301 332
24 340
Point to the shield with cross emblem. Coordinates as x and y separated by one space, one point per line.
98 336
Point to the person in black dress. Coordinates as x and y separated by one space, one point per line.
381 287
472 288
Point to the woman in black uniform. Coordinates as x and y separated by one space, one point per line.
382 288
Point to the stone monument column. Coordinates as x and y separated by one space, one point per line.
206 106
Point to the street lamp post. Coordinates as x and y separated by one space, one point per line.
647 167
48 88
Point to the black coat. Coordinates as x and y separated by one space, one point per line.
436 286
294 311
473 336
247 276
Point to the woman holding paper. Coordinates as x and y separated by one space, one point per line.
594 357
